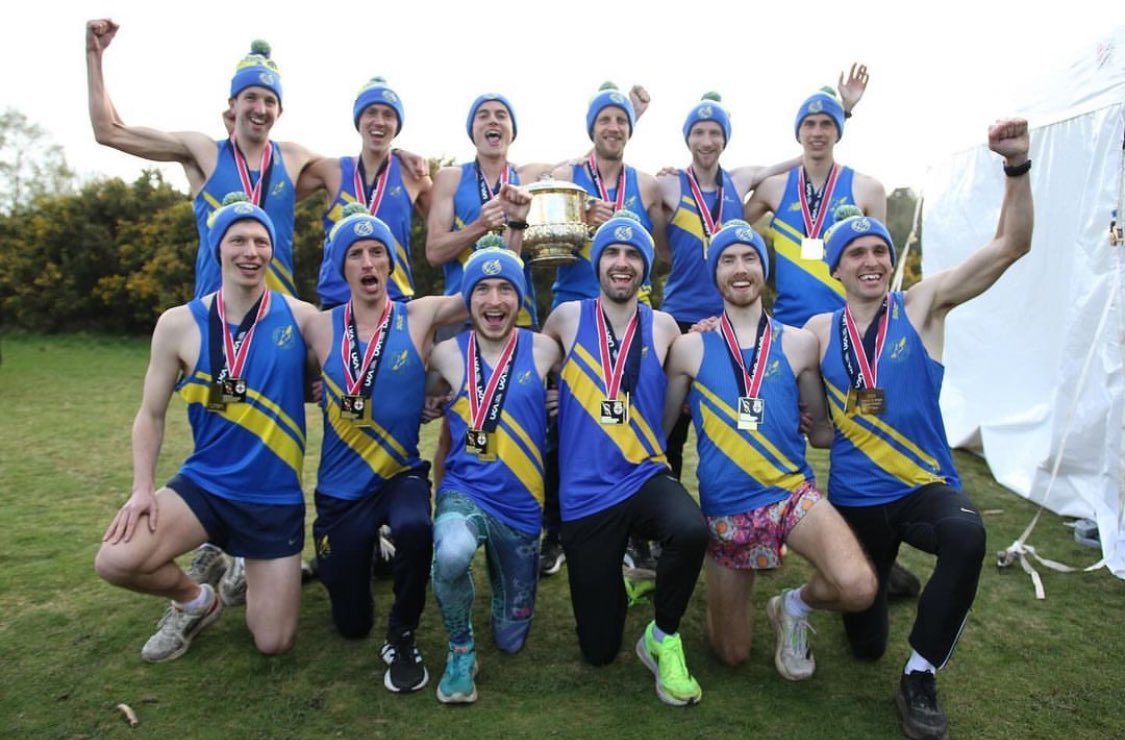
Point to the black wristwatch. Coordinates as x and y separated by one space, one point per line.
1018 170
517 225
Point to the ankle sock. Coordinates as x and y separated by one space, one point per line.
795 605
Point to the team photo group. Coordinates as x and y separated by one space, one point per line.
561 435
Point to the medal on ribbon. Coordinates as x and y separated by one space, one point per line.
751 407
812 246
359 183
596 177
711 219
486 400
228 383
256 192
863 395
359 374
614 408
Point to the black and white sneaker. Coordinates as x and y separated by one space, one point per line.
919 714
406 671
551 555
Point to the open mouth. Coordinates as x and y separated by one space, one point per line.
493 136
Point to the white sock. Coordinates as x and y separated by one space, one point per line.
197 604
918 663
795 606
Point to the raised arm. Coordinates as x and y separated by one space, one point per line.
442 242
195 151
765 198
747 179
937 295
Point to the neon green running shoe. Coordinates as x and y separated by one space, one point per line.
674 685
638 590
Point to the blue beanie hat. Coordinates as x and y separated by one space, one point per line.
624 228
821 102
236 207
850 228
355 225
481 101
256 70
709 108
609 96
492 260
376 91
736 232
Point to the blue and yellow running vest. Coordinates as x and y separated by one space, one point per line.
579 280
741 470
396 210
279 203
602 465
355 460
253 451
690 293
510 487
804 287
466 209
876 459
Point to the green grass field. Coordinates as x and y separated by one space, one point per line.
70 644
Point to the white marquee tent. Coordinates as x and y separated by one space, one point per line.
1035 378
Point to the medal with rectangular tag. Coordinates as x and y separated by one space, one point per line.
355 409
751 413
615 410
234 390
871 401
229 357
480 443
812 249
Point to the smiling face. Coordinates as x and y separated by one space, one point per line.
865 268
817 135
255 109
378 125
245 253
620 272
705 142
492 128
611 132
739 275
366 269
494 306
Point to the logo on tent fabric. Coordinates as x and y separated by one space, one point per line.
492 267
623 233
364 228
816 106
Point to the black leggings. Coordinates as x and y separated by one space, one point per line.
661 510
936 519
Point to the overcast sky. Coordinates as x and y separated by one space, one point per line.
940 73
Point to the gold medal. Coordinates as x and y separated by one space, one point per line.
480 443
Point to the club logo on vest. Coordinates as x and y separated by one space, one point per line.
399 361
899 351
524 377
364 228
394 192
279 188
284 337
492 267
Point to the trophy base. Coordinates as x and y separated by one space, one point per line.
553 255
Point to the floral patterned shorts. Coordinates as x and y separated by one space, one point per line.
753 540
